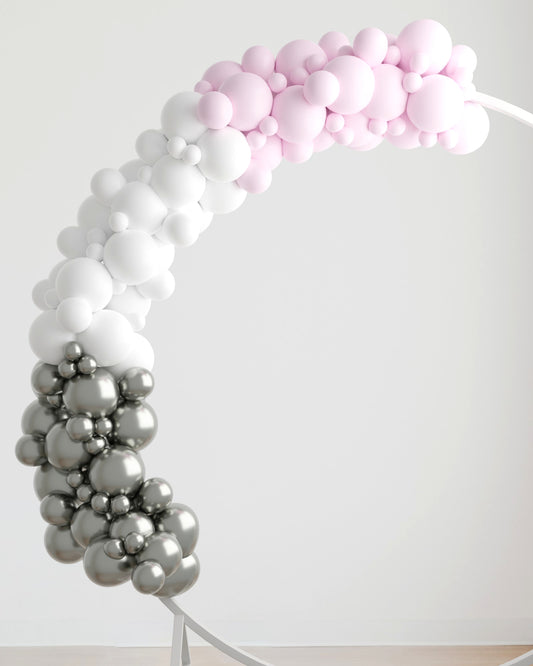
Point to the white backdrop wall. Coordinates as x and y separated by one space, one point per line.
344 375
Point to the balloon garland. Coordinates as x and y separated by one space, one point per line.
216 144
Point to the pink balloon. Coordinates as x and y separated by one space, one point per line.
258 60
220 71
358 123
298 121
344 137
393 56
255 139
214 110
293 55
408 139
472 129
356 82
463 57
373 143
321 88
256 179
250 97
297 152
389 98
268 126
426 37
371 45
277 82
270 155
437 106
323 141
334 122
331 42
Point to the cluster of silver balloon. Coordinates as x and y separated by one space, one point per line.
84 433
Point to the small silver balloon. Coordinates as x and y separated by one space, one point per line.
114 548
55 401
87 365
95 445
85 492
134 543
48 479
164 548
181 521
134 424
46 380
182 579
136 383
117 471
154 496
135 521
80 428
95 395
75 478
57 509
88 525
72 351
120 504
148 577
30 451
37 419
62 451
104 570
100 503
61 546
103 427
67 369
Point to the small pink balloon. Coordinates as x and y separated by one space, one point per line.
334 122
393 56
203 87
270 155
298 121
214 110
346 50
389 98
321 88
331 42
408 139
344 137
250 97
269 126
428 139
323 141
315 62
448 139
277 82
256 179
294 55
256 140
358 123
412 82
437 106
297 152
371 45
396 127
356 84
462 57
377 126
373 143
258 60
220 71
472 129
428 37
298 76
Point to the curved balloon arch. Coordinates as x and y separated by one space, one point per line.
217 144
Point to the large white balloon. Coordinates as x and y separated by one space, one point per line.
222 197
109 338
106 183
48 338
177 183
129 302
93 213
141 355
165 254
72 242
141 205
226 154
179 118
74 314
131 256
151 145
85 278
158 288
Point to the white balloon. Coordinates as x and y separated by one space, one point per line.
96 235
48 338
178 117
85 278
51 298
106 183
166 254
130 302
226 154
130 170
93 213
151 145
52 276
141 205
131 256
177 183
95 251
38 293
160 287
141 355
109 338
74 314
72 242
180 228
222 197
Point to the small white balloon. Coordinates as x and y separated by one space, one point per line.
151 145
130 169
177 183
192 154
179 117
131 256
131 301
141 205
118 222
141 355
51 298
48 338
175 146
74 314
109 338
96 235
226 154
106 183
38 293
160 287
71 242
85 278
180 228
95 251
93 213
222 197
52 276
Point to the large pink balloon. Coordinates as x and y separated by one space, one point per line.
426 38
437 105
472 129
356 83
298 121
389 98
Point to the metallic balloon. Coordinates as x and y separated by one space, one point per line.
45 379
95 395
134 424
73 351
117 471
181 521
88 525
120 504
95 445
60 544
162 547
104 570
30 451
114 548
80 428
182 579
154 496
134 543
48 479
100 503
57 509
62 451
85 492
136 383
103 427
67 369
148 577
55 401
37 419
87 365
75 478
135 521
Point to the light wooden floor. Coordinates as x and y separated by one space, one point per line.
207 656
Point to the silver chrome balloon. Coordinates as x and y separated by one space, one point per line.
88 525
62 451
100 502
73 351
75 478
104 570
30 450
95 445
37 419
154 496
80 428
67 369
181 521
182 579
134 543
57 509
55 401
136 383
135 521
48 479
134 424
84 492
60 544
120 504
114 548
87 365
117 471
95 395
162 547
46 380
148 577
103 426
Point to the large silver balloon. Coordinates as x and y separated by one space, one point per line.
117 471
60 544
46 380
134 424
64 452
136 383
48 480
104 570
182 579
88 525
154 496
30 450
181 521
162 547
148 577
37 419
95 395
57 509
136 521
